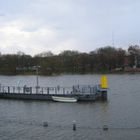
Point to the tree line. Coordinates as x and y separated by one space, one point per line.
102 60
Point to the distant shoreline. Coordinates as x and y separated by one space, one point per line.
68 73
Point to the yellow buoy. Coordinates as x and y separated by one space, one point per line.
104 82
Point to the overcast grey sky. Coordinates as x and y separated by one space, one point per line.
34 26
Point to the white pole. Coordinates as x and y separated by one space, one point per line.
37 82
113 44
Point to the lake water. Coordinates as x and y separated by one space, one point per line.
23 120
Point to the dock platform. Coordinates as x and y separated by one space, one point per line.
80 92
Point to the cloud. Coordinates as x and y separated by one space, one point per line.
68 44
31 38
39 25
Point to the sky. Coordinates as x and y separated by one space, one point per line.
35 26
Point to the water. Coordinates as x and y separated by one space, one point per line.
23 120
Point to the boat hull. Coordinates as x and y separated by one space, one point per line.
64 99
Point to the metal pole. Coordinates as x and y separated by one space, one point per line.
37 76
37 82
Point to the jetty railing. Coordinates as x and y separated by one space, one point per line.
77 89
79 92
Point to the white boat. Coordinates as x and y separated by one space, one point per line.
64 99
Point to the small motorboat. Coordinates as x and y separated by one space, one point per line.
64 99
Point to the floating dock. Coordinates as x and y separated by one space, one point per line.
80 92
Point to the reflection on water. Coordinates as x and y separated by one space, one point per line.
24 119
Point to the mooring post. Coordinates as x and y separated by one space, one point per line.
74 125
105 127
45 124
